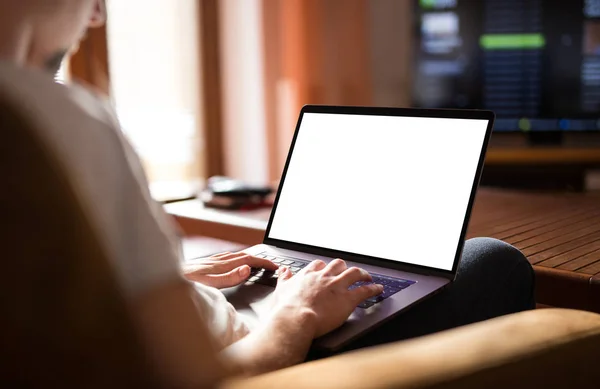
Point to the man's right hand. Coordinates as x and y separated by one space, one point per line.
303 307
319 296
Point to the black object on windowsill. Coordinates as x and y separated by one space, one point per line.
228 193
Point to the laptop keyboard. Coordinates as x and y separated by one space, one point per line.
391 285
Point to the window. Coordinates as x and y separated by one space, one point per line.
155 86
62 75
277 56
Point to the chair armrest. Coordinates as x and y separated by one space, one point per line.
548 347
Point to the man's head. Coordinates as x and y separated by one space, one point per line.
39 33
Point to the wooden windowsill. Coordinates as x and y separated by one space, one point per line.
167 192
545 156
244 227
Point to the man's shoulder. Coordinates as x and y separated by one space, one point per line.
71 122
37 92
75 130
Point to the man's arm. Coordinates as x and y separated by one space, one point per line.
185 355
177 339
281 342
305 306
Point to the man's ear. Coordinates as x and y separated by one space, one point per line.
98 18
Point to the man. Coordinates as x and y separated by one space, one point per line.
197 338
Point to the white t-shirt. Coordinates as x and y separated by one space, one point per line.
81 130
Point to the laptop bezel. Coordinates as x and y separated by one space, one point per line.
380 111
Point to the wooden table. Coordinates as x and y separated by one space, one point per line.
559 233
246 227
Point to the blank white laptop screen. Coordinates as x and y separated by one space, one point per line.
384 186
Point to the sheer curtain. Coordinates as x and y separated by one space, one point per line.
62 77
154 68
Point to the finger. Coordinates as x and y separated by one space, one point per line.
250 261
214 257
220 255
229 279
362 293
315 265
335 267
284 274
351 276
228 255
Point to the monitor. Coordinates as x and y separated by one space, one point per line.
371 184
535 63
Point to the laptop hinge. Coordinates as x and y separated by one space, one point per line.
396 266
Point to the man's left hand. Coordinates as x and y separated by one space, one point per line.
224 270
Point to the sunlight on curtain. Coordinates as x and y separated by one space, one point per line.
62 77
154 68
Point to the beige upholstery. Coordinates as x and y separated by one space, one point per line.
539 349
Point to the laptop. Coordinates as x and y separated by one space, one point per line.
389 190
